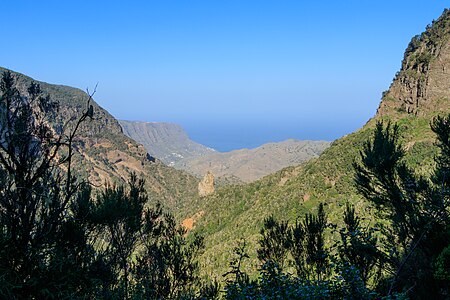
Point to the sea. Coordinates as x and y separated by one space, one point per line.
228 136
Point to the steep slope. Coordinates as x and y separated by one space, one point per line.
420 91
421 87
252 164
165 141
105 155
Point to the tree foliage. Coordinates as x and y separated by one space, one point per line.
58 239
61 240
43 247
359 247
407 257
416 209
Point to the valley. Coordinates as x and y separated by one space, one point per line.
419 92
139 210
171 144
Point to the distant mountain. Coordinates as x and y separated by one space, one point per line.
171 144
251 164
165 141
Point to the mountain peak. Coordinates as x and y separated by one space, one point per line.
422 86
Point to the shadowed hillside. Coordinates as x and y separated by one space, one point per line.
105 155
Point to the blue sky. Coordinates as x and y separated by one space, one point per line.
233 73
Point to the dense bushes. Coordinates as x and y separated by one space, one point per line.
406 255
58 239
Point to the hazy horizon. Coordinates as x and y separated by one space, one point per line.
236 137
234 74
225 137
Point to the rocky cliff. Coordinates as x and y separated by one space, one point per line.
165 141
422 85
206 186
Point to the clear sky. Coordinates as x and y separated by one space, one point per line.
233 73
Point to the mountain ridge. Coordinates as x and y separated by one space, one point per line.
237 212
252 164
171 144
104 155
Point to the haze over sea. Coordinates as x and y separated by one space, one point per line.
233 73
223 136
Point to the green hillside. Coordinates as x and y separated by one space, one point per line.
105 155
419 91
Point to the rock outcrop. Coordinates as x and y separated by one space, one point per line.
422 85
206 186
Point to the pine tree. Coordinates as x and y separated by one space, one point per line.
416 210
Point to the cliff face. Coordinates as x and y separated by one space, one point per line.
422 85
165 141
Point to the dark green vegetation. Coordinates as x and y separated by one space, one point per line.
58 239
404 255
103 154
367 219
239 211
